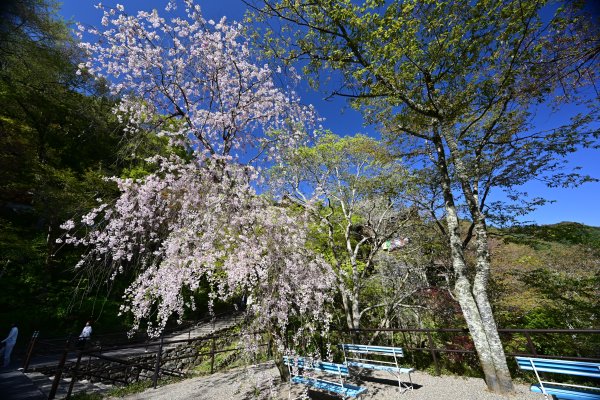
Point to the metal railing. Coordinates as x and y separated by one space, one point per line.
66 354
427 339
433 343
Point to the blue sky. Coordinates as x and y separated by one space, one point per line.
581 204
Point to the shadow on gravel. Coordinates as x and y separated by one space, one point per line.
389 382
315 395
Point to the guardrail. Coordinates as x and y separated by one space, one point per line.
427 341
450 342
67 355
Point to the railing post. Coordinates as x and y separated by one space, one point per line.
30 348
530 344
432 350
157 366
74 374
59 370
212 355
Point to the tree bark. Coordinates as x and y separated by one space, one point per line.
346 304
473 298
284 372
480 286
503 383
355 308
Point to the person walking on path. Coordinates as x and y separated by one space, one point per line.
85 334
9 343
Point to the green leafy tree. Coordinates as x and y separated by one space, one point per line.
57 141
454 85
356 193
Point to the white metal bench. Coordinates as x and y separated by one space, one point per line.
363 356
297 366
562 391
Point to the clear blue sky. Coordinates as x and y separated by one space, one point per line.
581 204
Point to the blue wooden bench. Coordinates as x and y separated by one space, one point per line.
363 356
297 366
562 391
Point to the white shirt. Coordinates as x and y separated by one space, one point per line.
86 332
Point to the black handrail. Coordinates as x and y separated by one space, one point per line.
431 348
210 341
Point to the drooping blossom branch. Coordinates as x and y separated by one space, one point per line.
198 218
181 226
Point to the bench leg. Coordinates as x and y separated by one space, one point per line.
411 382
403 387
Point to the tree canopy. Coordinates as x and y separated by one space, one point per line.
453 84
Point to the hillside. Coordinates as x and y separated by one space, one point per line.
547 276
572 233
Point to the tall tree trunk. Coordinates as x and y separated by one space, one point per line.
481 327
346 303
464 296
480 285
470 188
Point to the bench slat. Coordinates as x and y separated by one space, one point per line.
363 356
383 350
565 393
339 370
346 390
328 367
578 368
562 391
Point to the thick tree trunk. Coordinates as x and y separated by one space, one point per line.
462 292
480 285
464 295
284 372
473 300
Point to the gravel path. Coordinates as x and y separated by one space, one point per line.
262 382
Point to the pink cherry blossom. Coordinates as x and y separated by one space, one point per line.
200 219
197 82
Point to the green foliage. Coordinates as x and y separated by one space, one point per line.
136 387
564 232
572 300
86 396
58 140
354 188
547 277
231 357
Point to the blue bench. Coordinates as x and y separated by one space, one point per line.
362 356
562 391
297 366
